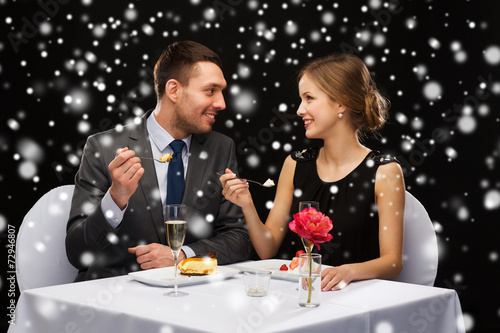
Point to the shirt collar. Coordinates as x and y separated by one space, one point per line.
160 137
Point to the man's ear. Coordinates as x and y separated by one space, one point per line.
172 90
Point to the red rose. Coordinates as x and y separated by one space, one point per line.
312 226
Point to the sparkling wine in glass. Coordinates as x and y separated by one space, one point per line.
176 225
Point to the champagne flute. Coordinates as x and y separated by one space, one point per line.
176 225
308 204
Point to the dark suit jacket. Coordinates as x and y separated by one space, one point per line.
214 223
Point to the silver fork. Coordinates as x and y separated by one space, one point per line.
154 159
269 182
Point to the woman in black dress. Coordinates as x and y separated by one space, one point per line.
362 191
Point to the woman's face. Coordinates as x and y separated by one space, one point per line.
319 112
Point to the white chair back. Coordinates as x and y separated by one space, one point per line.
41 259
420 252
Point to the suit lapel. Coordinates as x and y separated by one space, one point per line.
139 142
196 170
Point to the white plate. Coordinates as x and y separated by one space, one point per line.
164 277
273 265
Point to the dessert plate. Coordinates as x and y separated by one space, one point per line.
273 265
164 277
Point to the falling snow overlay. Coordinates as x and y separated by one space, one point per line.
69 69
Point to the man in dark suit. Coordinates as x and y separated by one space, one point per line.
116 224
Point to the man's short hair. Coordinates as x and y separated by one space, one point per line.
178 62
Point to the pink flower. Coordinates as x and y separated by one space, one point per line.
312 226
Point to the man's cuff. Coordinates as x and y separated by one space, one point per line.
188 251
111 211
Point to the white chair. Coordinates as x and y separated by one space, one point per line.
420 252
41 259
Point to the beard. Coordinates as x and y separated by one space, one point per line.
184 122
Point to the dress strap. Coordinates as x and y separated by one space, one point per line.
305 154
381 159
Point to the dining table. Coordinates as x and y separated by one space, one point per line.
132 303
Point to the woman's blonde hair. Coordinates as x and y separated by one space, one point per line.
346 80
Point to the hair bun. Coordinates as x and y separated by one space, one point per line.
377 108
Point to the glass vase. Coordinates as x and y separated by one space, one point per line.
310 280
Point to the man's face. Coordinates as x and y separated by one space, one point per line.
200 100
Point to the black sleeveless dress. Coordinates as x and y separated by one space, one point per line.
350 204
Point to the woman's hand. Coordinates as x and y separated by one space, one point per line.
235 189
335 278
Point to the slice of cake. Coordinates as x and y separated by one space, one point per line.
199 265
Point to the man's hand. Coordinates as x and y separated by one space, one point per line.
125 170
155 255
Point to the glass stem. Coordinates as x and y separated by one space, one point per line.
175 274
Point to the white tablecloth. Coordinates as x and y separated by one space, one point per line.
122 304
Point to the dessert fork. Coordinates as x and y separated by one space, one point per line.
268 183
164 159
150 158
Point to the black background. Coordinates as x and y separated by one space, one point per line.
52 49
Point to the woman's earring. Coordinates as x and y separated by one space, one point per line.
341 115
